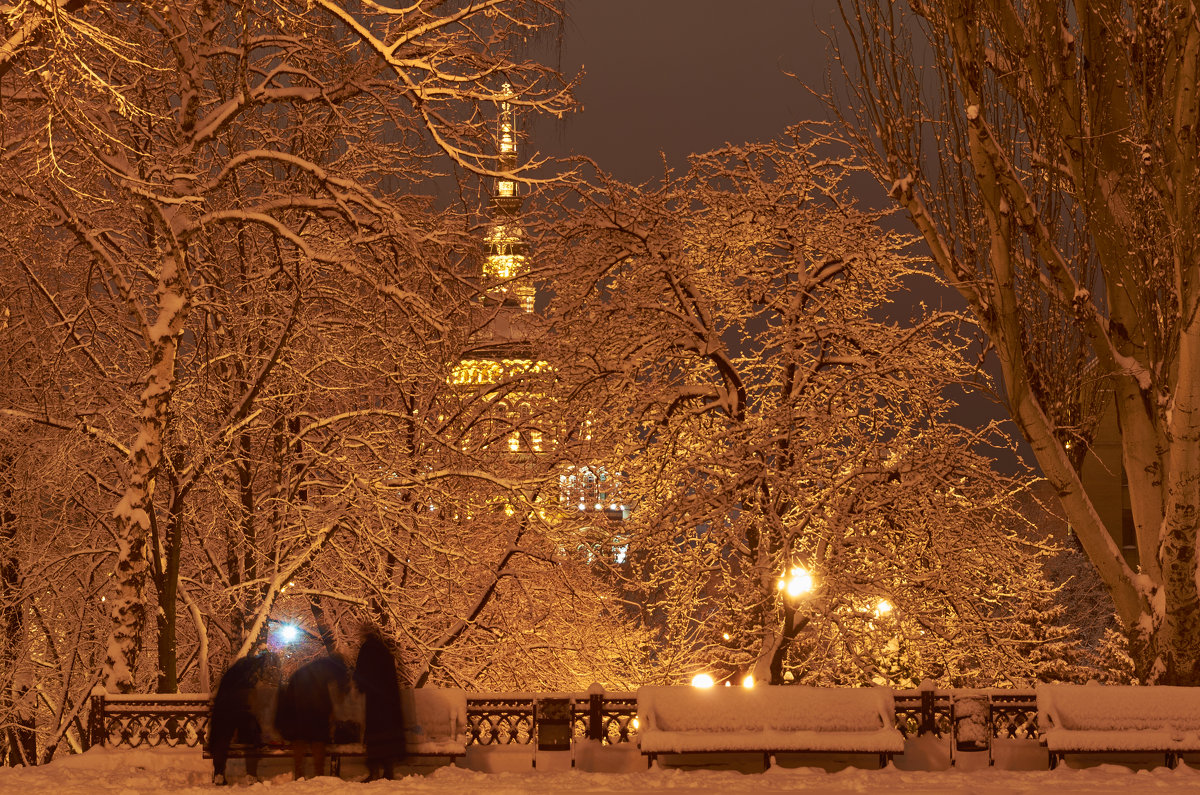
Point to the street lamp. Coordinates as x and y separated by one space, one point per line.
289 633
796 582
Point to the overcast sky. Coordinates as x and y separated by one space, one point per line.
684 76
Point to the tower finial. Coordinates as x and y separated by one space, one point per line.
507 139
507 249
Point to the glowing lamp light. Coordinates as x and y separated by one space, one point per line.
799 581
883 608
289 633
748 680
702 680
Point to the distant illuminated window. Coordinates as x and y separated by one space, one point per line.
527 300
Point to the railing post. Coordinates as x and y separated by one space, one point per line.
96 718
595 716
928 713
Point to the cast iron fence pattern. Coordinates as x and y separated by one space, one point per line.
510 719
135 721
611 718
1014 715
148 721
500 720
920 712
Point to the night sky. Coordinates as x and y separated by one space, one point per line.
676 77
684 76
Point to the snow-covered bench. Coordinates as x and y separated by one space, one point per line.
1093 719
768 720
435 719
435 722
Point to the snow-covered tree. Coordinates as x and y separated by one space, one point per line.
772 407
304 454
1048 155
208 184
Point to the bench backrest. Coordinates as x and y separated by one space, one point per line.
782 708
435 713
1118 708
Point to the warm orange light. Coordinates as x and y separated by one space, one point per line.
490 371
798 582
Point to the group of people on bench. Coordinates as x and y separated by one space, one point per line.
304 712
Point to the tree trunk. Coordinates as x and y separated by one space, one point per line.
773 652
132 513
168 652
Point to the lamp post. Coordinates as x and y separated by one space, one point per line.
793 585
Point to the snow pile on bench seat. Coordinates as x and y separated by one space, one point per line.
689 719
435 720
1118 718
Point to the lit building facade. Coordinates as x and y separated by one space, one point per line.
505 363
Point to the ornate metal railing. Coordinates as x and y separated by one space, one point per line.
495 719
1014 715
499 719
920 712
611 718
151 721
509 719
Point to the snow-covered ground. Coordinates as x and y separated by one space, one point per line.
127 772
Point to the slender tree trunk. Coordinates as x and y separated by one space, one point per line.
168 595
132 512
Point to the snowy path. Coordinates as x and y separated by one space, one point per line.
104 771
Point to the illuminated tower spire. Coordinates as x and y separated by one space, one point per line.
505 264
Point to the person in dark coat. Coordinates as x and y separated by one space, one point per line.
383 722
304 711
233 710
